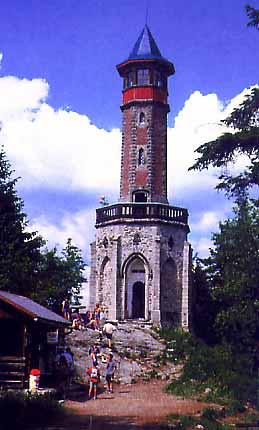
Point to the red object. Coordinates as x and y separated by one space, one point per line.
35 372
144 93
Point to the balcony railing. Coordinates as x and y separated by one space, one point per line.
141 211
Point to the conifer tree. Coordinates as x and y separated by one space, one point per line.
19 249
242 139
233 270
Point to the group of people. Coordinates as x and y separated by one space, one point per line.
94 371
65 371
94 320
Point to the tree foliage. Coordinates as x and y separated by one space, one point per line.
242 139
203 310
61 276
230 276
25 268
233 272
19 249
253 15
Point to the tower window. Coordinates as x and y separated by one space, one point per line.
158 79
143 77
140 197
141 157
142 118
131 79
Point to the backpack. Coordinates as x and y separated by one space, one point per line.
94 373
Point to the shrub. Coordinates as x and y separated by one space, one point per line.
213 372
24 409
207 421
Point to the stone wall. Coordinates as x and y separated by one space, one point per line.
164 252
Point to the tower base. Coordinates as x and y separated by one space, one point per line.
140 269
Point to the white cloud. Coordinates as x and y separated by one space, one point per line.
63 150
20 100
198 122
57 149
78 226
208 221
1 57
201 246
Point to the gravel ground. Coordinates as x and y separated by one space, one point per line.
140 406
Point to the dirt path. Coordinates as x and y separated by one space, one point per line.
142 405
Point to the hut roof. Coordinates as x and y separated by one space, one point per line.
32 309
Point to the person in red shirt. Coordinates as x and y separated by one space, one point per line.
94 373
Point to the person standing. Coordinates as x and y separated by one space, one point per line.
66 309
108 330
69 356
110 369
94 373
94 352
97 312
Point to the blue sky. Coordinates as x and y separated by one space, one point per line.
61 94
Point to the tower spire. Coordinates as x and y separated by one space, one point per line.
146 13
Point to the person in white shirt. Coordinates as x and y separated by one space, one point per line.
108 330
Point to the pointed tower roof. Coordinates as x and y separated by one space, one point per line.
145 47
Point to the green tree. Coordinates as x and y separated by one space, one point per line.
234 278
25 268
51 280
74 271
243 138
60 276
253 15
19 249
226 148
204 309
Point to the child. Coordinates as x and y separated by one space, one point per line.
94 352
94 373
110 368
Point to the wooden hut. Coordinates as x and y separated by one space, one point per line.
30 335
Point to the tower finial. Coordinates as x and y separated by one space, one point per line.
147 12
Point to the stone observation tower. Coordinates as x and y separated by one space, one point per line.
141 258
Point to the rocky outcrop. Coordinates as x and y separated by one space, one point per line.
138 350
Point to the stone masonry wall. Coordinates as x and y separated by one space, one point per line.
156 244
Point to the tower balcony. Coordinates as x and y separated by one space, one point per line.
141 212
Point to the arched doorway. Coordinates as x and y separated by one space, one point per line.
135 288
138 300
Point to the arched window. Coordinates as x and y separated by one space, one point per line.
142 118
141 157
